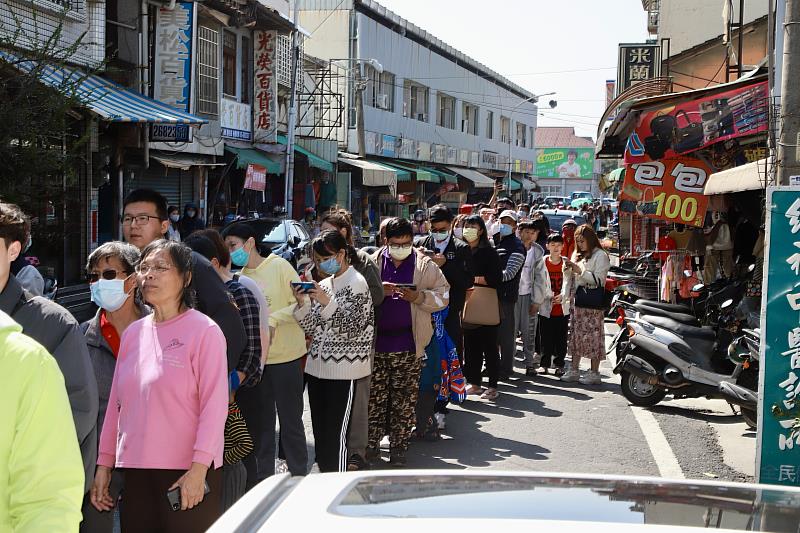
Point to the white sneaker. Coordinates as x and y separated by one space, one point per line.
439 420
571 376
591 378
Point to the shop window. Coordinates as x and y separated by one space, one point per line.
522 134
445 111
490 124
229 69
247 68
505 130
380 89
207 71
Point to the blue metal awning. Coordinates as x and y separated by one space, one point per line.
105 98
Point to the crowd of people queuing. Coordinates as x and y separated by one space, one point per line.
176 383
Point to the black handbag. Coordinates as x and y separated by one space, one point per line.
689 137
655 147
586 298
662 127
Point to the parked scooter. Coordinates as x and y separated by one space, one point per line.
744 350
664 356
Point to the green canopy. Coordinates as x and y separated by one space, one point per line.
313 159
249 156
446 177
423 174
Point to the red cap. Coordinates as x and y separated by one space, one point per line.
465 209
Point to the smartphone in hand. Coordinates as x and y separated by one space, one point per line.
304 286
174 496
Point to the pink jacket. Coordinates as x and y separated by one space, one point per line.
169 397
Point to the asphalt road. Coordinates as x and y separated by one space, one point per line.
543 424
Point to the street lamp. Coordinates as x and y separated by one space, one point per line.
359 94
534 99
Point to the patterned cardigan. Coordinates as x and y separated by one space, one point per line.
342 332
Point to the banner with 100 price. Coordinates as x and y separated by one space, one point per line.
670 189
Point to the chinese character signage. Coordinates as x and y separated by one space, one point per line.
235 120
170 133
388 145
778 427
691 124
265 116
173 55
637 62
568 163
255 178
669 190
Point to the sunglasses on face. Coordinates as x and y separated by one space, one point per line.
109 274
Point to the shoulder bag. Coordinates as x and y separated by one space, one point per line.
482 307
591 298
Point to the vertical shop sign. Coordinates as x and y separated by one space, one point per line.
778 446
255 178
265 120
173 55
637 62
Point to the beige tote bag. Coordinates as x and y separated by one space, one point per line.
482 307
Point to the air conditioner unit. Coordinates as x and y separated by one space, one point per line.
382 101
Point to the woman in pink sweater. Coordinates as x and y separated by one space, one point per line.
168 403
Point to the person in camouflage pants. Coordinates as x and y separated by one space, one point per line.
393 395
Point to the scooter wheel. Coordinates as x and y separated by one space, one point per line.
639 392
750 417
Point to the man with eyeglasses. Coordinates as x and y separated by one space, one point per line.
144 220
414 288
53 327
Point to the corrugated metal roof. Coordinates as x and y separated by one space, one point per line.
560 137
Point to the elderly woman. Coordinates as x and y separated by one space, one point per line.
110 270
169 401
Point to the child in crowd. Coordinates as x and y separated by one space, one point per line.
238 445
554 298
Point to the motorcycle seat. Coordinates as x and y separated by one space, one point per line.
673 308
655 312
687 332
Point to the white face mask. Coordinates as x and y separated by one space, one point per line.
109 294
399 252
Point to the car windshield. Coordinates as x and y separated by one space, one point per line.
556 220
274 231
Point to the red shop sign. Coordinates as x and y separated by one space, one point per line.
669 131
255 178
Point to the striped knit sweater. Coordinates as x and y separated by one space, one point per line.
238 443
342 332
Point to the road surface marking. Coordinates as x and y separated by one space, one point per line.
666 461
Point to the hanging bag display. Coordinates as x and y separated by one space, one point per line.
647 207
482 307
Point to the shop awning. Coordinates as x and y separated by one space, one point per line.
111 102
615 176
183 161
481 181
749 177
526 184
446 177
249 156
313 159
422 174
375 174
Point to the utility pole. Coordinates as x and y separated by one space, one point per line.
789 135
291 123
359 90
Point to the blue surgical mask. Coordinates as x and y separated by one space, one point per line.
109 294
240 257
440 236
505 230
330 266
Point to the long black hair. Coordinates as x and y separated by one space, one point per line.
476 220
341 221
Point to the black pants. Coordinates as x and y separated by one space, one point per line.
331 401
481 344
553 333
95 521
145 506
424 411
452 326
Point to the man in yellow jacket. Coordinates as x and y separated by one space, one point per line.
41 471
281 386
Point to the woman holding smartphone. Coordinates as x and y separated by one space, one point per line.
337 314
168 404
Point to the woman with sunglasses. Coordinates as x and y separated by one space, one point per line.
112 281
169 403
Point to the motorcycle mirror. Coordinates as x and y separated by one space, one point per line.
699 287
726 304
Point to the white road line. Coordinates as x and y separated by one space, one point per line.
666 461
